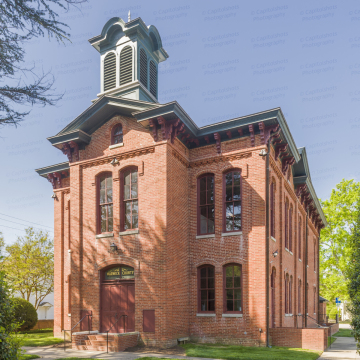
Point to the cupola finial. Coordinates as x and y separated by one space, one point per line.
129 16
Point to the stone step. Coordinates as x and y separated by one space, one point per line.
102 348
81 347
99 343
102 337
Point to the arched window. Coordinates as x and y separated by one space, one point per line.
286 225
272 209
109 71
143 68
299 238
314 300
126 65
206 204
286 293
273 295
299 297
153 78
117 135
206 288
290 228
232 201
232 288
105 203
314 255
290 294
129 199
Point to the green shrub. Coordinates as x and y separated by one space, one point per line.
9 344
25 314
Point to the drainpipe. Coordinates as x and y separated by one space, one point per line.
318 280
267 234
306 266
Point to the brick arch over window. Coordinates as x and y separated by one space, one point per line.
206 204
232 198
206 288
104 202
117 134
129 198
119 260
232 288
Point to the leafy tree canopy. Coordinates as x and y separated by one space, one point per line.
21 21
29 266
335 241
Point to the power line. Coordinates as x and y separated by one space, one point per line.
12 227
20 224
31 222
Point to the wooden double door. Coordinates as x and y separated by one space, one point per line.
118 299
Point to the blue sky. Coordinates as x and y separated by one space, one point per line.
227 59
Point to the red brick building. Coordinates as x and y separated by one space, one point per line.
171 230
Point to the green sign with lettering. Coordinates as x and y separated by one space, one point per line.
120 272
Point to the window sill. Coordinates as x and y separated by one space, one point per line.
205 236
232 315
273 239
288 315
100 236
300 260
128 232
286 249
116 146
205 315
231 233
291 253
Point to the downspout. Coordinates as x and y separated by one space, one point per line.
318 280
306 267
267 234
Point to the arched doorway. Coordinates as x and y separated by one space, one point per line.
273 275
117 299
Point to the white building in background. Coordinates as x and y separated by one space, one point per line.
345 314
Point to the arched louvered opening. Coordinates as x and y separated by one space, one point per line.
143 68
109 71
126 60
153 78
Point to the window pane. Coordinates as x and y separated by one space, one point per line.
236 282
110 217
118 130
237 294
211 283
229 282
203 294
127 178
127 215
202 197
211 226
237 305
236 178
134 176
134 190
203 184
210 271
212 305
109 195
102 196
203 272
126 192
228 196
210 183
236 193
229 305
229 271
109 182
237 270
228 179
135 222
211 294
102 183
103 218
203 306
203 283
229 294
135 214
229 210
203 225
229 225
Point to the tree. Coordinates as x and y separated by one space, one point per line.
29 266
9 344
335 241
21 21
354 280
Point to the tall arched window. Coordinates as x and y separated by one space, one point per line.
272 209
314 255
290 294
232 288
143 68
299 238
129 199
117 134
286 293
109 71
206 207
273 277
286 225
105 203
299 297
153 78
232 201
126 65
206 288
314 300
290 228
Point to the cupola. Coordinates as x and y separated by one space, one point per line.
130 54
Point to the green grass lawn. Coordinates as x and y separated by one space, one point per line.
232 352
29 357
39 339
344 333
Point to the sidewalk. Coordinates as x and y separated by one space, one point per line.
343 348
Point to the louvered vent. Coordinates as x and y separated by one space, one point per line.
153 78
143 68
126 65
109 71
